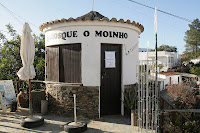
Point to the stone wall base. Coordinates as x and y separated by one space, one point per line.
61 100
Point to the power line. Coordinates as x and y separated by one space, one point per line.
3 31
160 20
170 14
11 13
14 15
128 7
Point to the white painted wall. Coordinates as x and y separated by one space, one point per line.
166 78
91 47
167 59
174 79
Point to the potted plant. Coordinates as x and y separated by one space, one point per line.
130 103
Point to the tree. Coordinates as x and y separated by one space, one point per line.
39 61
183 96
192 37
10 60
195 69
167 48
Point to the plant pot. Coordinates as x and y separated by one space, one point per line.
133 123
44 107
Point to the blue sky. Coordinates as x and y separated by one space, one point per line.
171 31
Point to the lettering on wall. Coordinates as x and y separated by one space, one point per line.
131 49
74 34
111 34
86 33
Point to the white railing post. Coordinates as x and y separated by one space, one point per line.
75 118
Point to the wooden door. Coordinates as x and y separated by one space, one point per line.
110 91
52 63
70 63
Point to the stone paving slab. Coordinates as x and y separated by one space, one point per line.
10 123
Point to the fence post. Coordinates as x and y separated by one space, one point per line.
17 87
173 117
162 115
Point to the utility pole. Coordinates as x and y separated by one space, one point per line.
156 82
92 5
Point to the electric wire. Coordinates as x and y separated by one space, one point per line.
14 16
170 14
127 7
11 14
171 26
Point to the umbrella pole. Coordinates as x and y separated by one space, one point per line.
30 98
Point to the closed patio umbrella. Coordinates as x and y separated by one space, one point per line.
27 72
27 52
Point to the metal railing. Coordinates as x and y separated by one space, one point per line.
35 84
148 98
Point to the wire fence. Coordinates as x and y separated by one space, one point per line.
148 98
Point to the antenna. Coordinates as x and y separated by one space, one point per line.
92 5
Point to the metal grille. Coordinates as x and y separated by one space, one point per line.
148 97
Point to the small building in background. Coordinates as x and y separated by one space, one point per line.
195 61
169 78
166 60
95 58
144 50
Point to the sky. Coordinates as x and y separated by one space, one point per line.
171 30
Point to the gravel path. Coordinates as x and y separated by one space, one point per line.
10 123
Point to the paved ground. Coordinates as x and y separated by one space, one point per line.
10 123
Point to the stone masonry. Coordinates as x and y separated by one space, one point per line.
61 101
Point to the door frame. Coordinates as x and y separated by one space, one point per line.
122 87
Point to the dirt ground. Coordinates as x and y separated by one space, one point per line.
10 123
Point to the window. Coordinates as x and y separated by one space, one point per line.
63 63
70 63
178 80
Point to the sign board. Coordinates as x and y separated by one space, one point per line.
7 92
109 59
110 55
110 64
63 36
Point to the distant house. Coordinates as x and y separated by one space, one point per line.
166 60
195 61
144 50
177 78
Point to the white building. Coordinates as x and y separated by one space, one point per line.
195 61
144 50
96 53
166 60
175 78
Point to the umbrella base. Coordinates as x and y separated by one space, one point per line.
32 121
78 127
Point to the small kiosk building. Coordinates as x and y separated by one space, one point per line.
94 57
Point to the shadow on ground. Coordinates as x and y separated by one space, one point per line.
10 122
93 130
117 119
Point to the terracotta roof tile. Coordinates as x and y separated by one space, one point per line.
169 73
93 15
